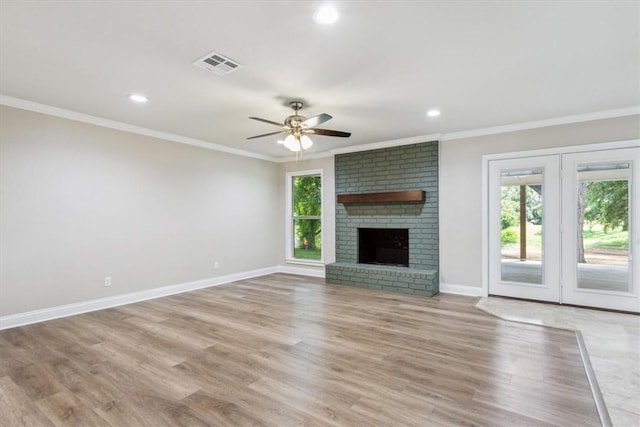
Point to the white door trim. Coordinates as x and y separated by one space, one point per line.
549 287
571 293
528 153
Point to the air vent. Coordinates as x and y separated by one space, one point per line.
218 64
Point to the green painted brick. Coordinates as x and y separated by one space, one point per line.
408 167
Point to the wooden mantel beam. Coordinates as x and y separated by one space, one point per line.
412 196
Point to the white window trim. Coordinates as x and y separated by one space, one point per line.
289 217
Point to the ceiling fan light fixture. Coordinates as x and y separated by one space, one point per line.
325 15
292 143
305 142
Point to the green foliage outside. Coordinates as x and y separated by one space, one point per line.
595 238
607 204
510 205
307 202
509 215
606 216
302 253
598 238
534 237
509 236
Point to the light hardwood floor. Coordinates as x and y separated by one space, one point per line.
286 350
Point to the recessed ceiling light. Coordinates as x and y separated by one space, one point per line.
136 97
325 15
433 113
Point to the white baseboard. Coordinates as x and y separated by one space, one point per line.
35 316
301 271
449 288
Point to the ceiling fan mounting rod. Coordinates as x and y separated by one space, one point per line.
296 105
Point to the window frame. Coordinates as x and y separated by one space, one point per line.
289 217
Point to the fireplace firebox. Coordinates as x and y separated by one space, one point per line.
383 246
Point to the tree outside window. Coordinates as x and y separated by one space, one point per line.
307 217
603 221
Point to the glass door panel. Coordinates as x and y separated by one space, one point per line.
521 212
602 212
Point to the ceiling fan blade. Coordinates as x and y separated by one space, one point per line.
328 132
267 121
316 120
267 134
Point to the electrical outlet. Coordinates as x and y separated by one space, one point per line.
216 265
107 281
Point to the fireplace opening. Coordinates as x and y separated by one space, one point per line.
383 246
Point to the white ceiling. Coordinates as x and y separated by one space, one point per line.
377 70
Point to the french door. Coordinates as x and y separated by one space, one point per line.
564 228
524 250
600 218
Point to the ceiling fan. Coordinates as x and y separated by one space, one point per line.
299 127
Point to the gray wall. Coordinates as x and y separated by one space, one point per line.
79 202
461 185
408 167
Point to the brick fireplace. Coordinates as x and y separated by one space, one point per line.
376 191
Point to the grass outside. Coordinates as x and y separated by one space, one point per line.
534 237
594 238
301 253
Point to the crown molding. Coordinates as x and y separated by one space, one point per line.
565 120
112 124
387 144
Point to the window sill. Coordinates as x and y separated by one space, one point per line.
304 262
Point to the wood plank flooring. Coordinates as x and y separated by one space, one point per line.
285 350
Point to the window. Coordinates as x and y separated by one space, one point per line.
304 216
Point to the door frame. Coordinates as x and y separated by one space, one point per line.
571 292
528 153
549 287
